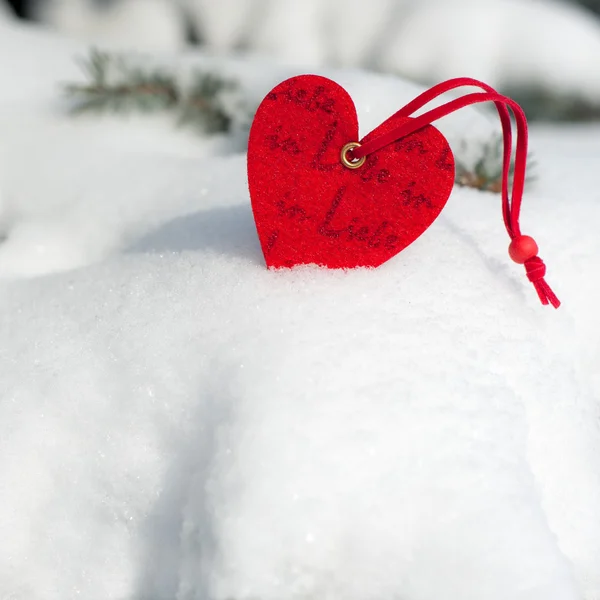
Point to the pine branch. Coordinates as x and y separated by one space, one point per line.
542 103
486 173
114 85
204 106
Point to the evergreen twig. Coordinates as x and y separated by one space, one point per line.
541 103
115 85
203 106
486 173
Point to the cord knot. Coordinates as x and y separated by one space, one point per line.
536 271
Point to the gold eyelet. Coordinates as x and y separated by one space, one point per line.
351 164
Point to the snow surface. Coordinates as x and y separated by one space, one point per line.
546 43
506 43
148 24
178 422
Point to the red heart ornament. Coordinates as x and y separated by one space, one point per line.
311 209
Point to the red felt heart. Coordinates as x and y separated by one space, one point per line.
310 208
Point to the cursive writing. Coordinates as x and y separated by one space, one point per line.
354 230
292 211
287 144
410 198
311 102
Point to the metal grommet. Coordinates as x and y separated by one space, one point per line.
351 164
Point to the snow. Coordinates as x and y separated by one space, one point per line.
142 24
178 422
507 43
511 43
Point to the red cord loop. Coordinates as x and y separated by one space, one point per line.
523 249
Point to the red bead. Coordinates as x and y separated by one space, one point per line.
522 248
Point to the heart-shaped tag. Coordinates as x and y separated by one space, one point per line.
310 208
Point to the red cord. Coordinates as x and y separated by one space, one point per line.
523 249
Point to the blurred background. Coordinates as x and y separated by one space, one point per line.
545 53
